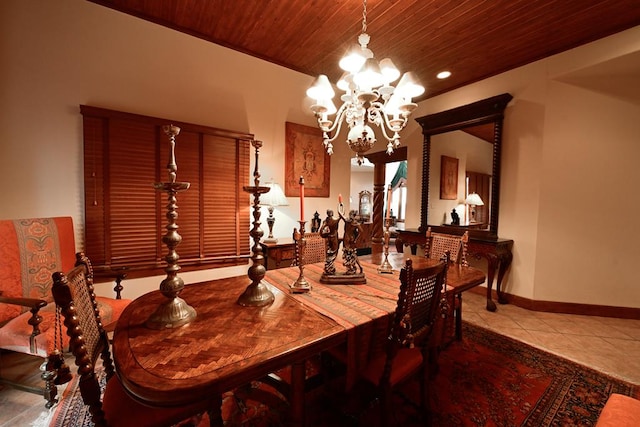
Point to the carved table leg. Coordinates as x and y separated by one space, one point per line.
505 262
492 263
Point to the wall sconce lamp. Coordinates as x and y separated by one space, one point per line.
473 200
275 197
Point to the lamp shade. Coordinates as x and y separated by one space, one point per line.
275 196
474 200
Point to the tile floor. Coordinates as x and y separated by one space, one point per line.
606 344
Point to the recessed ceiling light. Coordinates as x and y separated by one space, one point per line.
443 74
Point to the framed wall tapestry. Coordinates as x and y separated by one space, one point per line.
305 156
448 178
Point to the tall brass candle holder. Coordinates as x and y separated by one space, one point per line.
175 311
257 293
301 285
386 266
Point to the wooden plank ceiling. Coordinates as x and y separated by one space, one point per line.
474 39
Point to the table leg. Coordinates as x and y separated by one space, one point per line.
215 412
492 264
458 316
505 262
297 393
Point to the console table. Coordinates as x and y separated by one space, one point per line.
279 254
497 252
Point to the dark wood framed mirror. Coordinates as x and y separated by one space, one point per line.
483 120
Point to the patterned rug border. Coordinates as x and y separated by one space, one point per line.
576 393
469 326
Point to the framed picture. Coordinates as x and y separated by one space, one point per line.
305 156
448 178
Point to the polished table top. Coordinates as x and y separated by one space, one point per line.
228 345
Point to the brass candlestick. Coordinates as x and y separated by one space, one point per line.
386 266
301 284
175 311
257 293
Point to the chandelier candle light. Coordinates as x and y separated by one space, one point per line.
368 97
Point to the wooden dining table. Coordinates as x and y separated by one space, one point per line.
228 345
225 347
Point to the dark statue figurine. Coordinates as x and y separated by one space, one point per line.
329 231
315 222
352 232
455 218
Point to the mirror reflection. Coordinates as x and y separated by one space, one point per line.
470 200
461 168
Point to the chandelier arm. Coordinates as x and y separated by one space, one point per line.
380 107
384 133
337 124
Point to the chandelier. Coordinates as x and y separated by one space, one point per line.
369 98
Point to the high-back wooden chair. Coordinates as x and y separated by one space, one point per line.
438 244
315 249
76 301
407 350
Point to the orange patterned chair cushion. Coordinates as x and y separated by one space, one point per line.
31 250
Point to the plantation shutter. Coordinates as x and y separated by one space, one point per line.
125 216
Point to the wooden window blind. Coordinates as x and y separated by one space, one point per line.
125 217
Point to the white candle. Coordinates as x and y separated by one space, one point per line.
389 203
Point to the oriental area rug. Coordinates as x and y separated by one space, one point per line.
486 379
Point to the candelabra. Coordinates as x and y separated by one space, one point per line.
175 311
257 293
301 284
386 266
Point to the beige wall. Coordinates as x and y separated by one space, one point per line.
563 144
569 172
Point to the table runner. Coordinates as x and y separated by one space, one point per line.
364 310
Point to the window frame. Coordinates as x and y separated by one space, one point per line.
124 223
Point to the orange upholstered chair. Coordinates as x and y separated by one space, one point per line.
620 411
31 250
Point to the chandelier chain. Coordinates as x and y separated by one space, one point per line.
364 16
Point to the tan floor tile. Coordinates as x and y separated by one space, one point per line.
625 346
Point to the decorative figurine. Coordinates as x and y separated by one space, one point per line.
352 232
455 218
315 222
329 231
